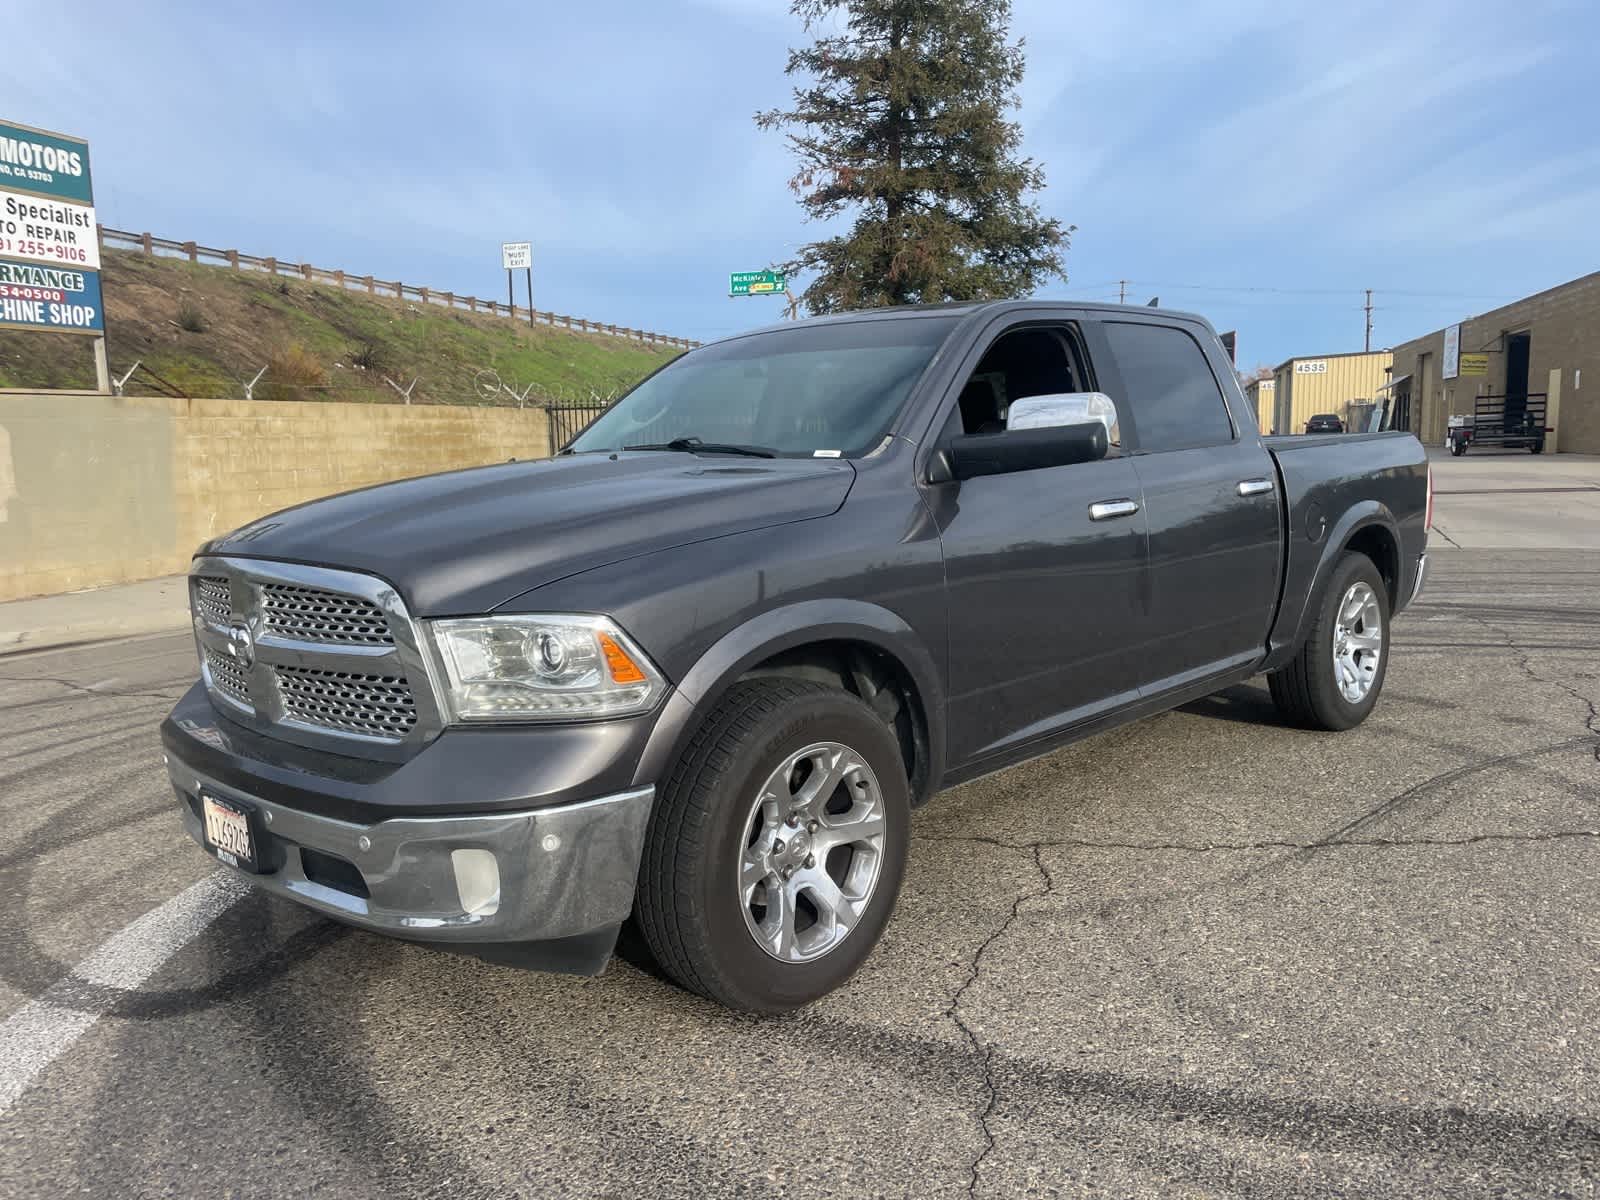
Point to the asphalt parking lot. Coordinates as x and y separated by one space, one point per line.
1204 955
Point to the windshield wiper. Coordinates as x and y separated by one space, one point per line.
694 445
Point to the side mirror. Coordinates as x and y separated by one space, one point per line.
1064 408
1020 450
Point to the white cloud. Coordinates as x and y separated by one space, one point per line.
1163 111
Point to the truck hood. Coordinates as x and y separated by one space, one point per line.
469 541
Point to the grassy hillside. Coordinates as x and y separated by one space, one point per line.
207 330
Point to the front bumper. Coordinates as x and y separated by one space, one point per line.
502 883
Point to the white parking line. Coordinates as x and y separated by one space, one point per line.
38 1033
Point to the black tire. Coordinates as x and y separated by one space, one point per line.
1304 691
688 905
1458 448
1536 448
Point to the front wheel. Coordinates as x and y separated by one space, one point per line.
1335 676
775 851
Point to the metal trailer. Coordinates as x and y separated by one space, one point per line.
1513 421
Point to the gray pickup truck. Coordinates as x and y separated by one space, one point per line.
696 670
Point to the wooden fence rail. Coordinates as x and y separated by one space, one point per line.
145 243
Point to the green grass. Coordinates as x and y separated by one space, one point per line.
251 318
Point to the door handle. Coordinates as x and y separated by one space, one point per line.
1105 510
1255 487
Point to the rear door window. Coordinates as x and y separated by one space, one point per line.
1172 397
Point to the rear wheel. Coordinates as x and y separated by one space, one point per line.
775 852
1458 448
1335 676
1537 447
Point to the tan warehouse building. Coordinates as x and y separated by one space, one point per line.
1258 392
1344 384
1546 346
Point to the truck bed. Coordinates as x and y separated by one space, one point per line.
1330 484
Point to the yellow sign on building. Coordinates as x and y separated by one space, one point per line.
1474 364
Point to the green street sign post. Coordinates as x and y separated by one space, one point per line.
757 283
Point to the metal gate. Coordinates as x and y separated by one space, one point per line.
567 421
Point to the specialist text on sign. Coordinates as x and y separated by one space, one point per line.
48 231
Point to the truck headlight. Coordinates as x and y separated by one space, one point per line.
546 667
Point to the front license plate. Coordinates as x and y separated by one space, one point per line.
228 832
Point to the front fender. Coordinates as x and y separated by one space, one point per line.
786 628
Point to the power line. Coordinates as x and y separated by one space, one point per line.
1125 284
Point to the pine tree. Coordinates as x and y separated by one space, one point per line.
901 118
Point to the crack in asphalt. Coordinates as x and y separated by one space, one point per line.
1340 839
91 690
1309 1123
1387 807
1553 835
986 1053
1525 665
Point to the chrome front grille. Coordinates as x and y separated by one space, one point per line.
227 676
212 598
309 614
369 705
320 657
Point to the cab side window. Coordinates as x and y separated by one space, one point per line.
1026 362
1171 392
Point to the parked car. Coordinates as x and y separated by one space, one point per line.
696 670
1325 423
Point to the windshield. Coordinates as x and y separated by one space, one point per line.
820 389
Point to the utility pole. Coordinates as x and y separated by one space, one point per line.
1122 291
1368 343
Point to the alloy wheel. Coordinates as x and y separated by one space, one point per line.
1357 642
812 852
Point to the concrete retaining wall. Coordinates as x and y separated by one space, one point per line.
97 490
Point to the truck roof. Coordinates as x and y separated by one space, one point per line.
967 308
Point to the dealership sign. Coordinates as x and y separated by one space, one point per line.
46 199
45 164
49 242
35 297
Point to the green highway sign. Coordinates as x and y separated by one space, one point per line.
757 283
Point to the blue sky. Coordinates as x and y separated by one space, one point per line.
1445 154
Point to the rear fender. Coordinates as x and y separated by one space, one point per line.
1299 608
